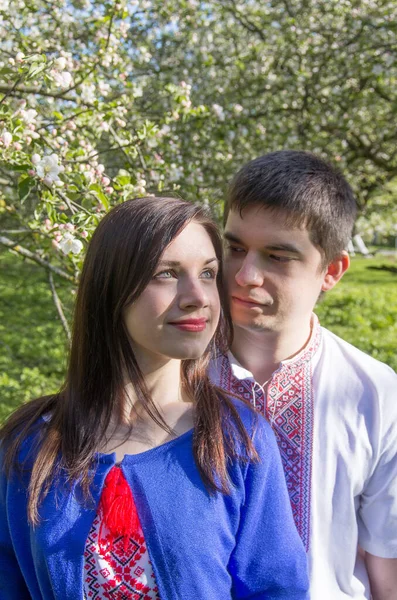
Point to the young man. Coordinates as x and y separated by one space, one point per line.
288 219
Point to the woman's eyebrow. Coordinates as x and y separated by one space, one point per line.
177 263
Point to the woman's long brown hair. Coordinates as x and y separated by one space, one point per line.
121 260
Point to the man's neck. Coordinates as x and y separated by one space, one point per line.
262 352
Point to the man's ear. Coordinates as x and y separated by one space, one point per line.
335 271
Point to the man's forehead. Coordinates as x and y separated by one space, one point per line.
255 216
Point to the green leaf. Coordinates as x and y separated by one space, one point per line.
25 187
123 179
21 168
96 189
35 69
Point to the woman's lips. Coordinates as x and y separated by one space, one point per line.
193 325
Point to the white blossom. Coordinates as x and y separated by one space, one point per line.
29 116
218 110
69 244
49 169
6 138
88 92
64 79
60 63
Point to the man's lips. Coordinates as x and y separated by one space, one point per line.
190 324
248 302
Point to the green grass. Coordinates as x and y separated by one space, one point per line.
362 309
32 341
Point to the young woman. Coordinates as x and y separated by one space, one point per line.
139 479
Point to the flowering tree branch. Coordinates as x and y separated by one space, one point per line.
15 247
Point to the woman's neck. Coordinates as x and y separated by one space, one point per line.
163 381
135 431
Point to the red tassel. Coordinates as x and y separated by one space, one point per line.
117 507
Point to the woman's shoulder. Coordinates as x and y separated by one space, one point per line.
258 429
254 422
23 432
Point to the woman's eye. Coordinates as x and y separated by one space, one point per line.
164 275
208 274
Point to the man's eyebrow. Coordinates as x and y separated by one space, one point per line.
177 263
282 247
232 238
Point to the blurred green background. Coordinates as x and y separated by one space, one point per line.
362 309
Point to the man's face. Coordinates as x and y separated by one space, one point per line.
274 273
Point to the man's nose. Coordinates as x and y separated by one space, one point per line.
249 273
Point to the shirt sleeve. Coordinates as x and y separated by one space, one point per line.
377 514
12 582
269 560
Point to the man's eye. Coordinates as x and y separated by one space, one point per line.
281 259
234 249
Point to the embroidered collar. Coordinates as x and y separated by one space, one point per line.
291 364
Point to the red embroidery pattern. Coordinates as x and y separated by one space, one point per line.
288 407
116 570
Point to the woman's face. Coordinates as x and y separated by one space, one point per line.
177 313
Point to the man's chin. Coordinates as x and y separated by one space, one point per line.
255 325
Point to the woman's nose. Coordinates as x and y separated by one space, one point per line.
193 294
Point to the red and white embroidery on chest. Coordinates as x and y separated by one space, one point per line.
288 406
117 564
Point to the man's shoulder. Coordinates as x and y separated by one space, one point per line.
218 364
349 360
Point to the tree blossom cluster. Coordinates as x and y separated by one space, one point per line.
100 102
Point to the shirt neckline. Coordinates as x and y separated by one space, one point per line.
146 454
